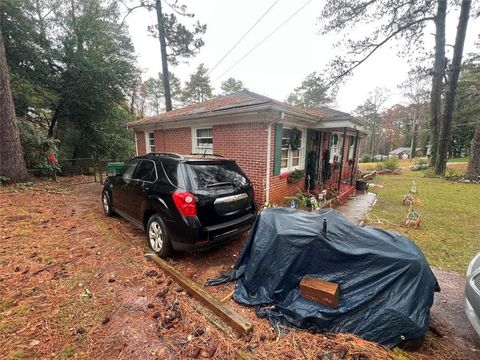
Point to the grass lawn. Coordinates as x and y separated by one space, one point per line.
460 159
373 165
450 231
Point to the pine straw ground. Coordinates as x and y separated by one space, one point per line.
76 284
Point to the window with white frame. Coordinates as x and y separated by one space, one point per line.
292 159
150 141
334 148
351 148
202 141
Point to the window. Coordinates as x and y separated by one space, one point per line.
150 142
292 159
202 141
146 171
173 174
334 148
128 170
225 174
351 148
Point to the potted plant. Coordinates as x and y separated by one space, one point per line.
295 176
303 201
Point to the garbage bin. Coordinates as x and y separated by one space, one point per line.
114 167
360 185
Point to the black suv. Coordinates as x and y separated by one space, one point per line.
182 202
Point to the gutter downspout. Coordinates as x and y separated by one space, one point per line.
267 175
269 154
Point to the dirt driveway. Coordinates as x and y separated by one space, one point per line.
74 283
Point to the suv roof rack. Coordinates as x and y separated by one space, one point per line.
167 154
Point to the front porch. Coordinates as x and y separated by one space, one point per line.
332 161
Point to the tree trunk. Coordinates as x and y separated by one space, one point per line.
163 51
473 170
372 140
437 77
54 120
445 134
12 163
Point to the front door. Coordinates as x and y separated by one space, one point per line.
123 185
143 180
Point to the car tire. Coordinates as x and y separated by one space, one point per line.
157 236
107 203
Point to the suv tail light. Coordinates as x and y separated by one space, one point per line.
185 203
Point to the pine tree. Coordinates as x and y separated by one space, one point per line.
12 163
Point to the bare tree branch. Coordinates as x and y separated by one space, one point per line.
376 46
130 10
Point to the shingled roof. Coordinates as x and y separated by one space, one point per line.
243 99
326 112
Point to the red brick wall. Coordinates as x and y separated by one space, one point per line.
140 139
246 143
347 169
280 188
174 140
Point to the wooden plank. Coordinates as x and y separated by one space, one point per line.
241 325
215 321
242 355
323 292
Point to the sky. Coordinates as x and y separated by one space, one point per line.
283 61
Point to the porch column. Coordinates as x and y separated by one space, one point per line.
319 157
342 158
355 162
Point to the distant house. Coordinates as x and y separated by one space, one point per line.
269 139
403 153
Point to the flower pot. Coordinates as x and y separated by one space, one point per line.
292 180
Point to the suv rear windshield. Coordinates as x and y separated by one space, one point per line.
211 175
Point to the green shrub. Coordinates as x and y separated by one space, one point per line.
365 158
429 173
453 173
390 164
421 161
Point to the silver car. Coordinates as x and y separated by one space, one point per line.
472 293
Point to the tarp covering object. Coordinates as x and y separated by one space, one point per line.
386 284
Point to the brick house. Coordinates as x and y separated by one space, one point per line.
268 139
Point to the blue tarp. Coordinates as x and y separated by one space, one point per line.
386 284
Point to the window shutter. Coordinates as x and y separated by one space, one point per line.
278 148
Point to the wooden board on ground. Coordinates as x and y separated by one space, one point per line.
241 325
320 291
242 355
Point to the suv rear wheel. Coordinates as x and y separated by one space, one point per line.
157 236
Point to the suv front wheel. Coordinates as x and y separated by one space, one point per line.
157 236
107 203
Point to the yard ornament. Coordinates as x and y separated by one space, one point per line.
412 218
407 199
